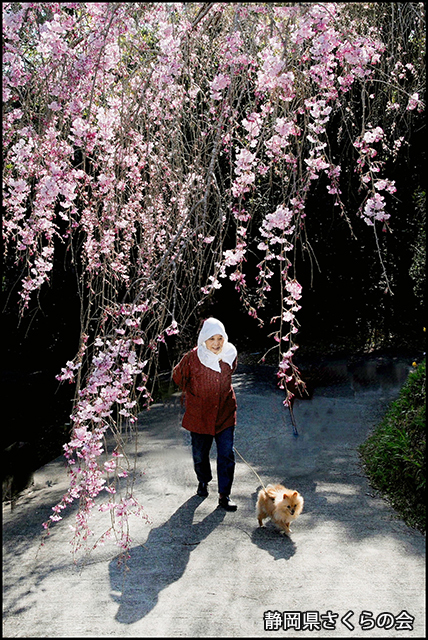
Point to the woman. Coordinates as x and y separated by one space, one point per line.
205 376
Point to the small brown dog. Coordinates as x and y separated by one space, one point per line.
280 504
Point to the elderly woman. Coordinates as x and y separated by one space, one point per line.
205 376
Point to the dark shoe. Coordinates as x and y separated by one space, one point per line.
226 503
202 491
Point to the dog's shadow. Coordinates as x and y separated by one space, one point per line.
270 538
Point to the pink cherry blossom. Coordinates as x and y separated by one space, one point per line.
220 82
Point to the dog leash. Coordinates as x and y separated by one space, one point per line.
252 469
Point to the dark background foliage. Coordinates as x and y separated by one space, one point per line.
347 305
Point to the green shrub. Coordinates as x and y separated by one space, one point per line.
394 455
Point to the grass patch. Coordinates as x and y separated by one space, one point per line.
394 455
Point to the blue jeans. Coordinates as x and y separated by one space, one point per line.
201 446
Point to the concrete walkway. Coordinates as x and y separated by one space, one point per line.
350 568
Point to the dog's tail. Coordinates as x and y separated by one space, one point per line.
270 491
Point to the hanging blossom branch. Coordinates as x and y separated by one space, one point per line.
141 137
286 134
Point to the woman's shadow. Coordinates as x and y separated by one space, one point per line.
159 562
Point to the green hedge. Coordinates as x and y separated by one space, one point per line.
394 455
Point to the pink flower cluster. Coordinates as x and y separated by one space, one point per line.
244 164
109 385
369 167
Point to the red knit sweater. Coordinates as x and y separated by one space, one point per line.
209 396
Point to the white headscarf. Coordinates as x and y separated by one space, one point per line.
213 327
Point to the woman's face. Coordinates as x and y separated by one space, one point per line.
215 344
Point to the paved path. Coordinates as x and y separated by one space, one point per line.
197 571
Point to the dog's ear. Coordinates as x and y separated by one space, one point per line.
295 494
284 497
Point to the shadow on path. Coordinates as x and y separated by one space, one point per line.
270 539
160 562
